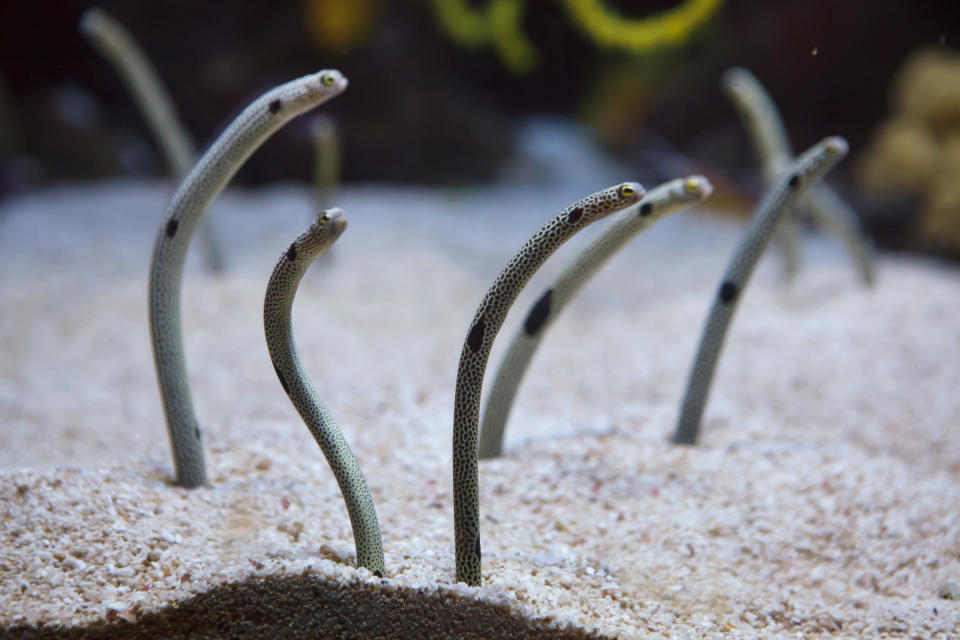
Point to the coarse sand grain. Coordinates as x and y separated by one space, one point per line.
823 501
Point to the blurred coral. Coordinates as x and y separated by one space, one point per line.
927 88
917 150
940 220
902 157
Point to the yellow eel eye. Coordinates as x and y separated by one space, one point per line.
626 191
327 79
691 186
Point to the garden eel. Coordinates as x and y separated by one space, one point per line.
112 40
211 173
656 204
286 362
828 210
806 169
476 349
328 158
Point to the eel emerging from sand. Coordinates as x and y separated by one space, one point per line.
277 327
212 172
476 350
808 168
656 204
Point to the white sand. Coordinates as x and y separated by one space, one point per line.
823 502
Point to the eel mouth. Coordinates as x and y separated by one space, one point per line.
338 222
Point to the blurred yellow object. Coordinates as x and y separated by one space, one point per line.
903 157
340 26
917 150
927 88
671 28
499 24
940 218
513 48
465 25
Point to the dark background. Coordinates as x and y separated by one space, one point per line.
421 108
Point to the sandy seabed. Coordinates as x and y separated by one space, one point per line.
823 501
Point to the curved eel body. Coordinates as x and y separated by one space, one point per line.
211 173
118 47
621 228
277 305
808 168
476 350
827 209
761 120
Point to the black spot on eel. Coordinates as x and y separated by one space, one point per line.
277 327
211 173
476 350
805 170
655 205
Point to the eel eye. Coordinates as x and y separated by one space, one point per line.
327 79
690 186
626 191
324 217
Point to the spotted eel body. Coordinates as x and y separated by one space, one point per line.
808 168
827 209
277 305
620 229
112 40
211 173
476 350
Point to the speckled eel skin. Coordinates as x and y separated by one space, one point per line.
806 169
286 362
476 350
211 173
656 204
